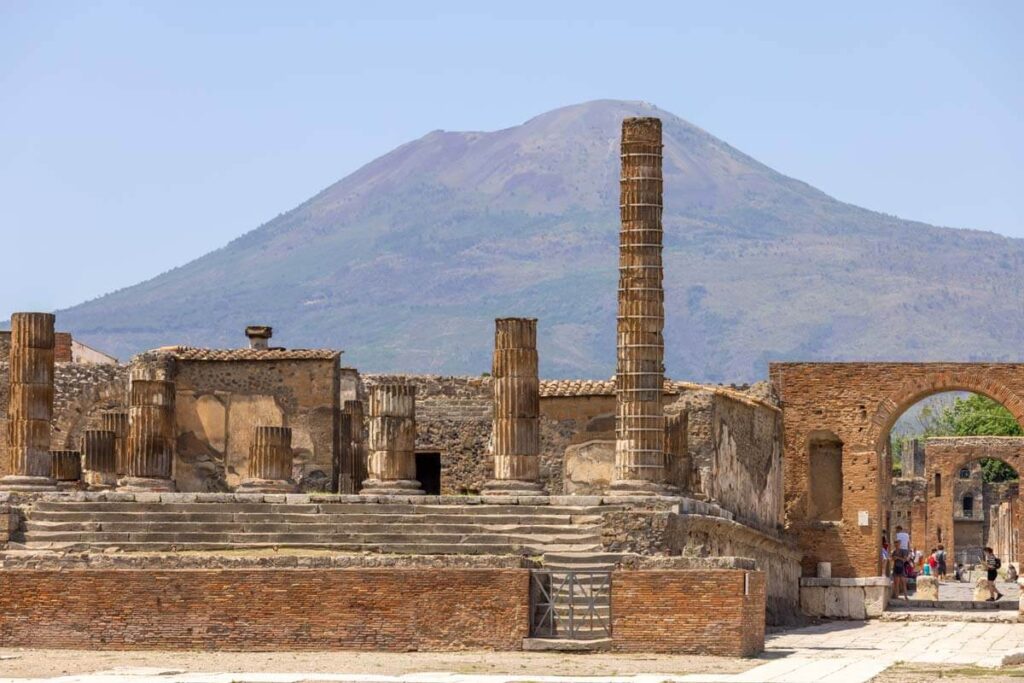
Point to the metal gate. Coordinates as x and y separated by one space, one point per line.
570 604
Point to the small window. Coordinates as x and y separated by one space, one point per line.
968 506
965 473
938 484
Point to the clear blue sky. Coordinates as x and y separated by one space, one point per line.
137 136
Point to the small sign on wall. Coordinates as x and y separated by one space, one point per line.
862 518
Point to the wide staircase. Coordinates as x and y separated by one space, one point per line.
344 527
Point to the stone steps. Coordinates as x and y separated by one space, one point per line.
356 527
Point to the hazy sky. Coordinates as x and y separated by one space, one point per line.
137 136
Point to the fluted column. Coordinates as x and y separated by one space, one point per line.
516 422
392 456
117 421
270 461
30 406
345 467
151 425
357 427
66 469
640 463
99 451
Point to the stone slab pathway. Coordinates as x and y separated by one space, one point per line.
838 652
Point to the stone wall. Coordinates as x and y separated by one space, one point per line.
218 403
81 393
774 555
391 609
717 612
734 453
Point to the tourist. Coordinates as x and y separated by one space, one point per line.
940 559
958 573
899 572
992 564
1011 574
931 566
885 556
902 538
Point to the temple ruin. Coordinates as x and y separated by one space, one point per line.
636 501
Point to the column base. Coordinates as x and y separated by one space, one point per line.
641 487
99 481
20 482
391 487
145 484
513 487
265 486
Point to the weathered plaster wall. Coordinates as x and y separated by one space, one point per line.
219 403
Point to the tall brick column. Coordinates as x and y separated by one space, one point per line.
516 431
151 426
392 457
357 426
117 421
270 461
99 450
30 406
640 463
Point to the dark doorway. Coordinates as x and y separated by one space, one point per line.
428 472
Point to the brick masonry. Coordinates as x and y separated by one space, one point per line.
707 611
859 403
389 609
689 612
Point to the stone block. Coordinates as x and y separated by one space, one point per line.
178 497
118 496
296 498
981 591
147 497
927 588
855 607
812 600
274 498
533 500
589 467
876 599
248 498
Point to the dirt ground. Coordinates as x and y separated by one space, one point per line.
19 663
906 673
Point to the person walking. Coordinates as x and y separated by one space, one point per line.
899 572
992 564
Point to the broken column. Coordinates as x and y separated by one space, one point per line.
66 469
116 421
151 426
270 461
346 483
516 430
99 461
357 426
30 405
639 374
391 463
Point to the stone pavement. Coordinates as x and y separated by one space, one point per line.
837 652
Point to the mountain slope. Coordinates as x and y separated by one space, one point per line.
405 263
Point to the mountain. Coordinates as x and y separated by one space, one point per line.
405 263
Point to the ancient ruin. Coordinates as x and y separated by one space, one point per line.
452 512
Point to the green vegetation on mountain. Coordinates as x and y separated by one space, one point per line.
405 263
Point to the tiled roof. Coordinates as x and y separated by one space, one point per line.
190 353
588 387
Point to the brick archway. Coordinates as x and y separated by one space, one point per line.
944 457
891 408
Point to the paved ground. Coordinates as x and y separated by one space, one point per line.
839 652
951 590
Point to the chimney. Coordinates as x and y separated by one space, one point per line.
259 336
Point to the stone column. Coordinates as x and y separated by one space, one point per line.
99 446
354 409
392 456
66 469
30 406
640 466
516 431
151 425
117 421
270 461
346 484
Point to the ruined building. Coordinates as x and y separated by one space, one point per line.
500 511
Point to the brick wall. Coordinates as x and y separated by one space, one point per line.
689 612
365 609
859 403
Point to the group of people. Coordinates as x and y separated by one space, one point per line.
904 563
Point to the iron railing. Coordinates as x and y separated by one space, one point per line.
570 604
